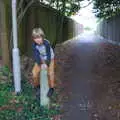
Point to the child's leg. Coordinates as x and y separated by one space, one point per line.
51 75
36 72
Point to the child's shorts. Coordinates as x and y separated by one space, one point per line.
36 73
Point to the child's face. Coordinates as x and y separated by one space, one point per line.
38 40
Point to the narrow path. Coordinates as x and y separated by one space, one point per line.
90 73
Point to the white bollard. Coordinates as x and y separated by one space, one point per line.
15 51
44 100
16 70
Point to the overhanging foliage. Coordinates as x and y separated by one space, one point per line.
106 8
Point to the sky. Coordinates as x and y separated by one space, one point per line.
86 16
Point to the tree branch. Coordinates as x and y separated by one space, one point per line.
20 5
20 17
87 4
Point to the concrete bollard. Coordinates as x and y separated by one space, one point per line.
16 70
44 100
16 56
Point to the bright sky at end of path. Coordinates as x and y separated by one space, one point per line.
86 16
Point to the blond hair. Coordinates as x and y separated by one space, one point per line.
38 32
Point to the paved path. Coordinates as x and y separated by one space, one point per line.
90 75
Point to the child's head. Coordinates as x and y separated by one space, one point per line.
38 35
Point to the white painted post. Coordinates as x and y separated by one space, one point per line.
44 100
15 51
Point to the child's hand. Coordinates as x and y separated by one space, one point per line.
45 62
44 66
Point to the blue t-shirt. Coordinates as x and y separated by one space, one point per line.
42 51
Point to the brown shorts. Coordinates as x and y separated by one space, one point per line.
36 73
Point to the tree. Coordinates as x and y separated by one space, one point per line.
106 8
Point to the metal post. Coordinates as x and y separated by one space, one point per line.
44 100
15 51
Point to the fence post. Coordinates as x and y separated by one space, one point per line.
44 100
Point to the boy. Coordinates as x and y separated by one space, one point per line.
43 54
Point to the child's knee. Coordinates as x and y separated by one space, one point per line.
36 70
